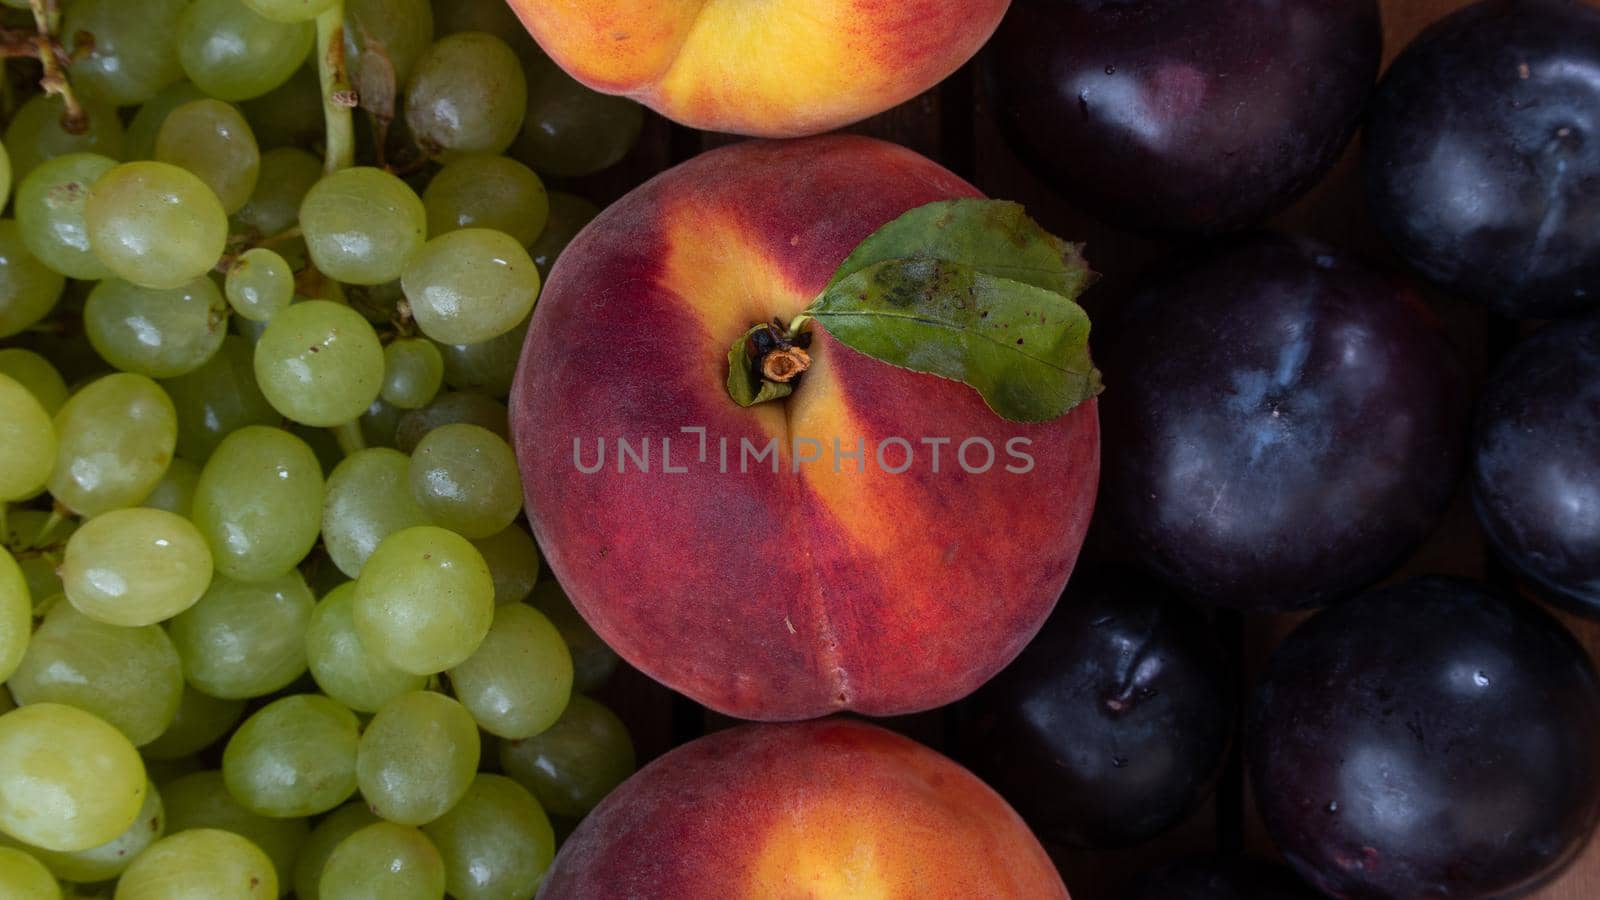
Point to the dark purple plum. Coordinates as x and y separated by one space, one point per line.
1111 726
1483 155
1199 116
1431 739
1220 879
1282 425
1536 461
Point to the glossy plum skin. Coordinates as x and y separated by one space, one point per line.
1110 728
1197 116
1282 425
1431 739
1220 879
1483 155
1536 461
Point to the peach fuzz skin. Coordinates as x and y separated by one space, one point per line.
768 68
821 810
787 595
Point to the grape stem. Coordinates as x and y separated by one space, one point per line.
349 437
44 46
338 98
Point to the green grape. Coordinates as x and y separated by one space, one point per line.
463 407
175 491
46 535
465 478
468 95
134 567
417 758
165 771
470 285
16 614
574 764
400 29
368 499
342 666
424 600
245 639
259 503
569 213
212 140
294 757
362 225
29 289
319 363
593 660
487 366
28 445
134 53
35 373
413 370
108 860
383 861
201 800
291 114
233 54
489 16
570 130
155 224
290 10
520 679
218 399
379 422
328 835
35 133
50 212
147 122
130 677
287 174
496 842
23 877
260 284
323 443
154 332
5 175
201 721
487 192
200 864
68 780
513 561
114 437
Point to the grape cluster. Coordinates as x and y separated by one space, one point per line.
269 618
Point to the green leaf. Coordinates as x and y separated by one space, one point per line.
745 384
1024 347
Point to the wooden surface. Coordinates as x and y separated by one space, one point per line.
951 125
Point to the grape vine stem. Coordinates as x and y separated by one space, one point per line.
338 98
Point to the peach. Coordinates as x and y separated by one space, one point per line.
850 567
778 68
829 809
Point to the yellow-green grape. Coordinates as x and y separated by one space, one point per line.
569 213
465 407
165 771
488 367
417 758
175 491
27 442
575 763
483 191
134 52
16 614
232 53
287 175
37 374
200 864
201 800
154 332
37 530
325 838
155 224
134 567
413 370
260 285
362 225
36 134
383 861
368 499
68 780
212 140
496 842
50 207
130 677
294 757
291 114
470 285
465 478
571 130
147 122
424 600
342 665
290 10
259 503
201 721
400 29
379 422
108 860
319 363
467 96
5 175
520 679
23 877
218 399
29 289
114 440
513 560
593 661
245 639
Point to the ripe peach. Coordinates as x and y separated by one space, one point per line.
830 574
830 809
781 68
